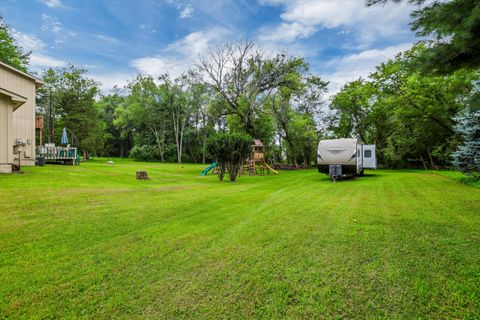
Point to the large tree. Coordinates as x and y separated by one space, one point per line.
146 114
452 29
295 109
419 110
183 97
117 143
11 52
244 77
199 123
407 114
353 111
70 96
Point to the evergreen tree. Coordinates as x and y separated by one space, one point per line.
467 156
10 52
453 27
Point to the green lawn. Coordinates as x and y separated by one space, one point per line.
93 242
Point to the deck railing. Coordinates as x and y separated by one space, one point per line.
58 153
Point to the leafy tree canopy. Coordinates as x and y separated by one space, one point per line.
230 150
452 31
71 96
10 52
409 116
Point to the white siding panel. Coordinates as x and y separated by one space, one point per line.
6 130
24 116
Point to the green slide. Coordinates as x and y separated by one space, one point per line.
207 169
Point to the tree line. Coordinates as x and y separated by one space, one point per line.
235 88
419 108
408 115
422 108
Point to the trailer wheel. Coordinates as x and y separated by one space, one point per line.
361 173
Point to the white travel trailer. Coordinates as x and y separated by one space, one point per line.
341 158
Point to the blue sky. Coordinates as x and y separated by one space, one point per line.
341 39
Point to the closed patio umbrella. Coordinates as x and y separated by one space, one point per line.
64 137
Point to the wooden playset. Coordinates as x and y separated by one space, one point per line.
256 163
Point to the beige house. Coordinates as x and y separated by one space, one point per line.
17 117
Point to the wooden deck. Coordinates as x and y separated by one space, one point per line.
65 155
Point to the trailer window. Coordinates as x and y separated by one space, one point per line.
367 153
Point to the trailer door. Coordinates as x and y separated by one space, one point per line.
369 156
359 157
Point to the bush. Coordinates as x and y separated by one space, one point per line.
230 150
145 153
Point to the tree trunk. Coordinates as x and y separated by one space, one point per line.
191 153
160 140
204 136
180 151
423 163
431 160
233 170
221 171
280 147
203 151
204 142
162 146
178 128
159 144
292 151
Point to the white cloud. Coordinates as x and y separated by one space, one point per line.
51 23
147 28
198 42
302 18
39 57
112 79
156 66
352 67
328 14
54 28
52 3
39 60
186 11
28 41
286 32
179 55
108 40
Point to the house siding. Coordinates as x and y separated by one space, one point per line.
6 134
23 118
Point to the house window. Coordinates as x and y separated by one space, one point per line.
367 153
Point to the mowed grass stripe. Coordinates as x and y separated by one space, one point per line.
393 244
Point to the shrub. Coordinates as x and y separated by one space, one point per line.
145 153
230 150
